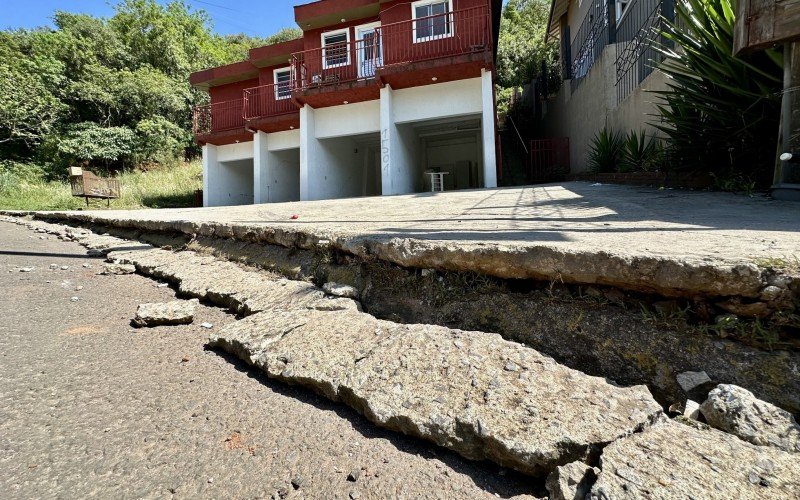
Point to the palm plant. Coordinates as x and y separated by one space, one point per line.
720 112
641 153
605 151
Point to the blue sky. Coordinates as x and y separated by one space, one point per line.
252 17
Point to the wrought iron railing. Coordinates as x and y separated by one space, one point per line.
268 100
638 35
444 35
590 41
218 117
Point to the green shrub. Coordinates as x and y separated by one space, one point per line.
606 151
641 153
720 112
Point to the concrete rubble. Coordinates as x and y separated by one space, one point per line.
473 392
178 312
736 410
114 268
674 460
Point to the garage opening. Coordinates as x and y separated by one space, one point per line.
235 183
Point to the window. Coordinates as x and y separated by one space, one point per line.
621 7
283 86
433 19
335 50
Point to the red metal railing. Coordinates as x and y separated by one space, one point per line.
268 100
218 117
342 62
451 34
550 160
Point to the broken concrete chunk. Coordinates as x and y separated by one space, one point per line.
447 386
673 460
339 290
736 410
695 384
691 410
178 312
571 482
113 268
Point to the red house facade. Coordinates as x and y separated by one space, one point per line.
376 96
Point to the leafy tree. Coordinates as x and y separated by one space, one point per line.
108 92
522 48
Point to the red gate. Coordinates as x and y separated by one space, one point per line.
549 160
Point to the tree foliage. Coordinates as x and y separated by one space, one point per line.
522 48
109 92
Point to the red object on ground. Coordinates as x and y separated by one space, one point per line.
294 217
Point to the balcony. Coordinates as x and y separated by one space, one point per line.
270 107
402 54
219 123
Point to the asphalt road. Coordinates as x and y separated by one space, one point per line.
90 407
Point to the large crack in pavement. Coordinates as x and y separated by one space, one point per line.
472 392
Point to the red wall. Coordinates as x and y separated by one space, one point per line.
231 91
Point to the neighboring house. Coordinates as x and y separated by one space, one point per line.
609 67
375 94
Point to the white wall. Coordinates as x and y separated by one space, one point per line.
228 174
283 183
441 100
279 141
339 170
348 119
581 114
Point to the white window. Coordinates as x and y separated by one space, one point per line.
621 8
433 19
336 48
283 83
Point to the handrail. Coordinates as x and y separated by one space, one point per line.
268 100
218 117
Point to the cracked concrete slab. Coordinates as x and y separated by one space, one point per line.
674 460
674 243
473 392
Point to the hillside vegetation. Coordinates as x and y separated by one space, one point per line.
109 94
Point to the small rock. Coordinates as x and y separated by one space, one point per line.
162 285
78 288
338 290
117 269
736 410
752 310
354 495
53 266
25 269
298 482
691 410
74 299
207 326
178 312
87 266
695 385
210 480
771 293
64 268
571 481
511 367
354 475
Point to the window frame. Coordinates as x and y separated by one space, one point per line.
450 22
325 64
287 69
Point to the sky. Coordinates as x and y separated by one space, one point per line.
252 17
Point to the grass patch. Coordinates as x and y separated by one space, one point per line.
162 187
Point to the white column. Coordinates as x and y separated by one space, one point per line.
261 174
388 141
210 174
488 131
308 152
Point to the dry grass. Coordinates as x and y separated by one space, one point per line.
163 187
